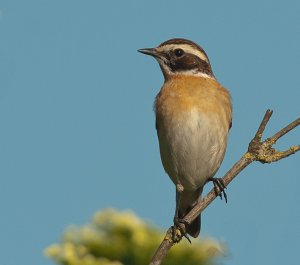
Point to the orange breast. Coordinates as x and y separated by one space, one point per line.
184 93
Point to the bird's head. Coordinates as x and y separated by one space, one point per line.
181 57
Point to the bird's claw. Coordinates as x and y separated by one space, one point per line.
219 186
179 230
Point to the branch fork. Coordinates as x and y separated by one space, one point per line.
258 150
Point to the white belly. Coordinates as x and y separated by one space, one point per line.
192 147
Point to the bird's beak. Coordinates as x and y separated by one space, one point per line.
150 51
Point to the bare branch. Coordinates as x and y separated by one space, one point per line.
286 129
257 151
163 248
262 125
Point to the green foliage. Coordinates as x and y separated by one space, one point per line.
121 238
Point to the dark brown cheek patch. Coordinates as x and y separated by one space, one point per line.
190 62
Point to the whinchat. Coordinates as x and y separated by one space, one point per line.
193 117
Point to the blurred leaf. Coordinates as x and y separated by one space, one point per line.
116 238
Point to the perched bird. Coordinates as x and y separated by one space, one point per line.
193 117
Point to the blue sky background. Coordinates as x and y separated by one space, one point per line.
77 127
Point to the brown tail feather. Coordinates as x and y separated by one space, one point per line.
194 228
187 201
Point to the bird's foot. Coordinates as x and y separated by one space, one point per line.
219 187
179 230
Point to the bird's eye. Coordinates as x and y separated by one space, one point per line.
178 52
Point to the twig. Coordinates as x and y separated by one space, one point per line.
258 150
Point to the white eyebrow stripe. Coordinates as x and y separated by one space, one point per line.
187 48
